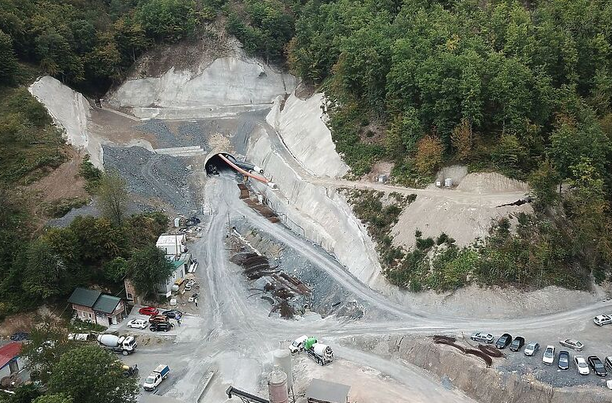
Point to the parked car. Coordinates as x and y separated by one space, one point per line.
158 319
549 355
482 337
148 310
581 365
531 349
572 343
597 365
173 314
608 363
601 320
138 323
20 336
564 358
503 341
161 326
517 343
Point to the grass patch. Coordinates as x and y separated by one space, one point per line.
61 207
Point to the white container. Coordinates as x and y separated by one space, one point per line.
439 184
173 302
177 222
448 182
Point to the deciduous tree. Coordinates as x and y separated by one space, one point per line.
94 375
147 269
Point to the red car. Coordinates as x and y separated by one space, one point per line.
148 310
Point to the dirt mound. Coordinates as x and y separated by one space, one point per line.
490 182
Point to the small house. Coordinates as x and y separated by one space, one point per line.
9 359
172 244
320 391
96 307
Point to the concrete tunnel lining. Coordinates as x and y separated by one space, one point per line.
225 161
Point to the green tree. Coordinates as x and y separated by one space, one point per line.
55 398
94 375
167 20
112 194
45 275
543 182
8 61
147 269
115 270
48 343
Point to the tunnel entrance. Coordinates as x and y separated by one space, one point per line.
224 162
215 165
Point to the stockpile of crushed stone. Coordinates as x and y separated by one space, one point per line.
152 175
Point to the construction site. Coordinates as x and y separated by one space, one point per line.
282 255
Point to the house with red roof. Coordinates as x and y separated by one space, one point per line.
9 359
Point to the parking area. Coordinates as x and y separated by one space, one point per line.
597 341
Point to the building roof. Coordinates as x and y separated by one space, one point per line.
170 239
85 297
330 392
8 352
106 303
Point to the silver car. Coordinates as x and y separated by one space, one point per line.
531 349
572 343
482 337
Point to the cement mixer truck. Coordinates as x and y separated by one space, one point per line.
321 353
119 344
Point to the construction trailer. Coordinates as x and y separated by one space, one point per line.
320 391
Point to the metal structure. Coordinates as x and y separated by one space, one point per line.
244 396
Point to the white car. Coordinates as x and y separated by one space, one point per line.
549 355
531 349
601 320
298 344
581 364
138 323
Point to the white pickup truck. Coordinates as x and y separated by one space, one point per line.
156 377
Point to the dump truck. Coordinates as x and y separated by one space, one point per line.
156 377
119 344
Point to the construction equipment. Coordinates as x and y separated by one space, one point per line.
119 344
244 396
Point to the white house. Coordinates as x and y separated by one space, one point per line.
181 266
172 244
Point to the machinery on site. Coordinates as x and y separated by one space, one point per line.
156 377
119 344
320 353
130 370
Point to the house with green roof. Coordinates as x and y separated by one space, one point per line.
97 307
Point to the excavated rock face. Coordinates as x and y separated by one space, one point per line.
301 124
70 111
223 86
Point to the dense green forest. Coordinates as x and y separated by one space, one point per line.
519 87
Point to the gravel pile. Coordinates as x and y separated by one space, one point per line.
165 138
327 297
152 175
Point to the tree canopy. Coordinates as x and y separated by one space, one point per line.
92 374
